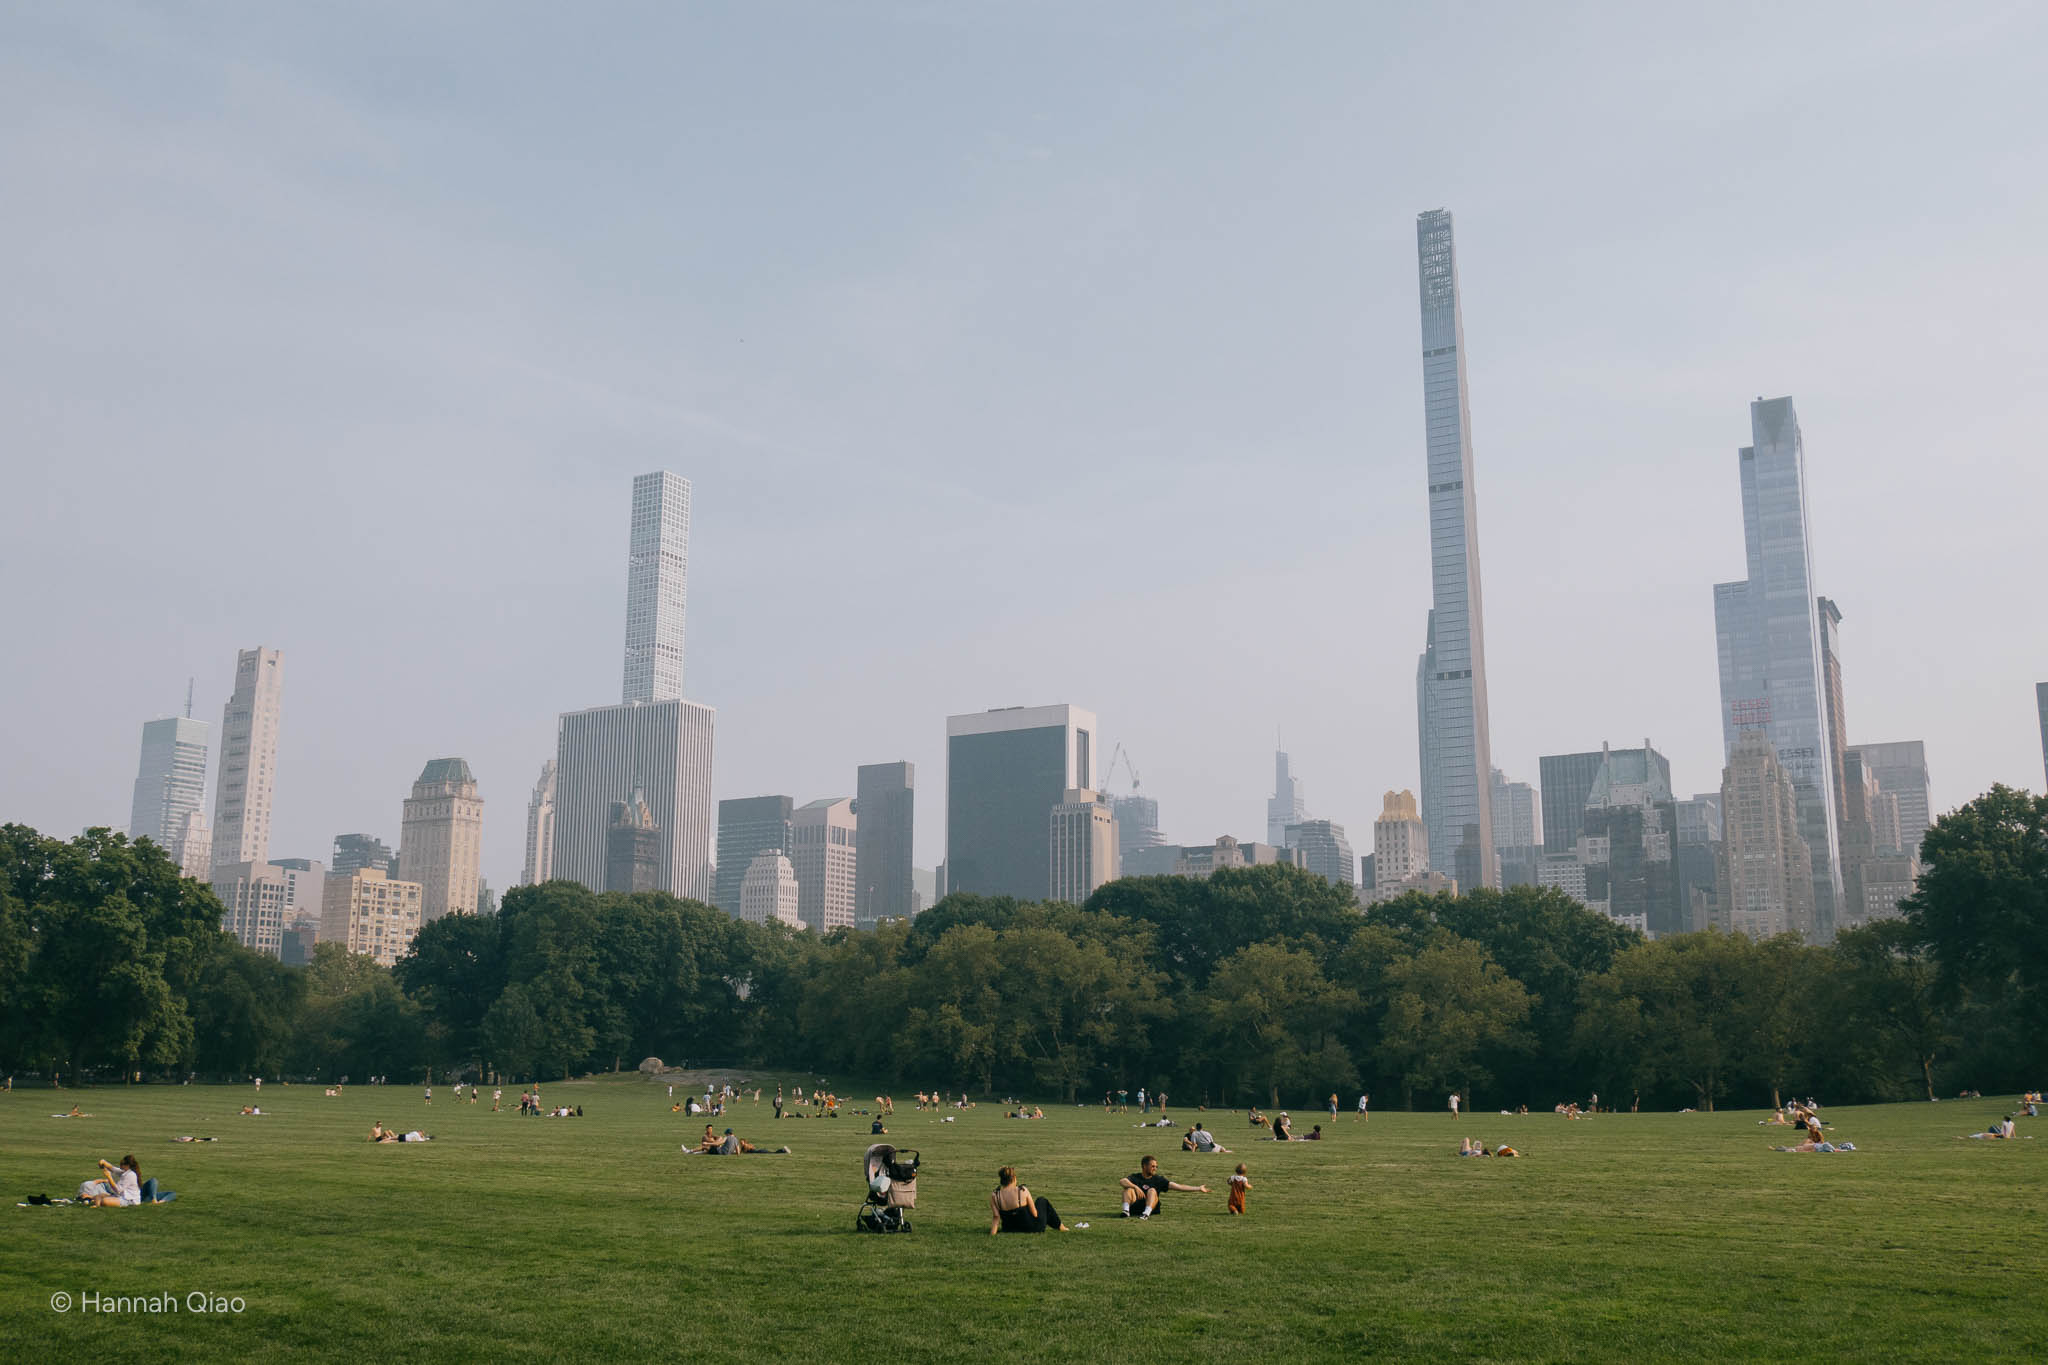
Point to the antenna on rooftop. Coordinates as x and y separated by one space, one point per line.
188 697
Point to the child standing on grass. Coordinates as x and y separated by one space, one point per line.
1239 1183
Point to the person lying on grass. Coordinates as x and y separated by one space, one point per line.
379 1133
1142 1188
1012 1207
1998 1131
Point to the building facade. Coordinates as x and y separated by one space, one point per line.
1400 841
2041 705
1137 822
540 830
1450 680
632 847
824 849
661 749
1083 835
769 892
369 913
1006 770
1630 843
353 851
1324 849
441 838
1517 819
1286 806
1567 781
191 848
171 781
1900 771
748 826
1764 878
1204 860
1768 630
657 579
1834 705
253 898
885 810
248 759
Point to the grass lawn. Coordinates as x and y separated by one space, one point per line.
1640 1236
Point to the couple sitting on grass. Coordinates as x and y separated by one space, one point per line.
122 1187
1471 1147
729 1145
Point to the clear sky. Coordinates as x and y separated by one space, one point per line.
1017 354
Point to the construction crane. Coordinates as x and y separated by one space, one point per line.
1109 768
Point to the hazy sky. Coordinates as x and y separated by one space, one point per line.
1017 354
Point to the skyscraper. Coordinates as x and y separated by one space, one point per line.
1006 770
191 848
1630 841
1084 846
657 574
1450 677
885 796
1900 770
1514 813
1769 633
824 851
171 783
653 741
1764 877
1137 823
1567 781
440 839
1400 850
1285 806
1324 849
248 759
748 826
540 829
661 749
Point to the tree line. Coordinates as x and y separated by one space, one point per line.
1259 985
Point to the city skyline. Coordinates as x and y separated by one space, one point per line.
967 587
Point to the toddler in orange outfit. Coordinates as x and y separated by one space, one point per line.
1239 1183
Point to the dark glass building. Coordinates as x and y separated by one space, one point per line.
747 827
1005 772
884 804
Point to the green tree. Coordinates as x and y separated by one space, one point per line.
1981 910
1274 1020
1447 1006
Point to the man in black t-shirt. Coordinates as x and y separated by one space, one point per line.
1142 1188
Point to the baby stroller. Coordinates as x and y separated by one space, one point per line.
892 1190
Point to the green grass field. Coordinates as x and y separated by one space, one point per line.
508 1237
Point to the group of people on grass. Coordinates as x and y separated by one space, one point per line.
728 1144
122 1187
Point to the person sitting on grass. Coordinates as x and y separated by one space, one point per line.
119 1187
730 1145
1282 1131
1200 1139
1013 1208
1143 1187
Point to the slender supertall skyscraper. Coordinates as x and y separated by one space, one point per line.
653 745
1769 629
1286 806
657 574
1450 679
248 759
